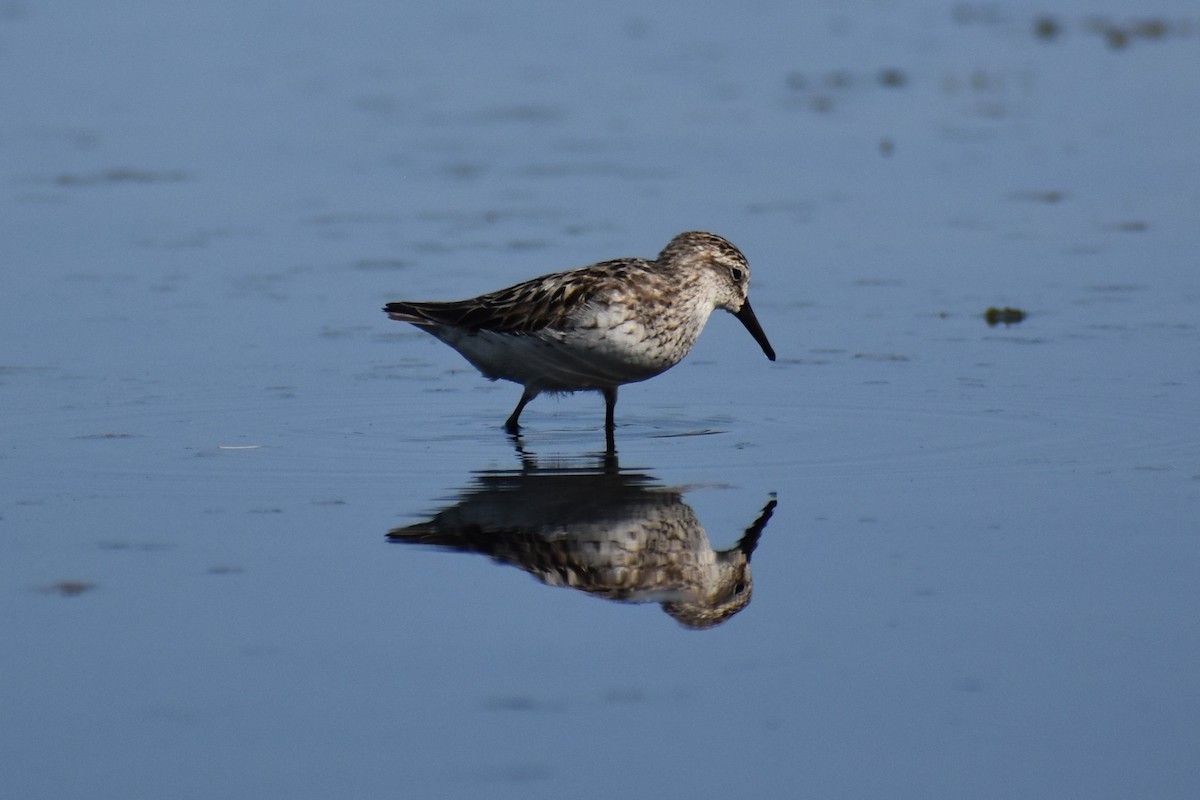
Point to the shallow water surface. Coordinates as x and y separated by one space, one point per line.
257 540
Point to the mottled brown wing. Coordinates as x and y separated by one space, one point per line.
547 558
528 307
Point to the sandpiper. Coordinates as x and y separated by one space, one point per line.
596 327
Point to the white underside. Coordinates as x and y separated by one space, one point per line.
603 347
553 364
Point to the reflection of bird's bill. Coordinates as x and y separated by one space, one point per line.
746 315
750 538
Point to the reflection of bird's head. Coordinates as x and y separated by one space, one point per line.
730 596
734 586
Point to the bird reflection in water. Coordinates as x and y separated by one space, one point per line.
608 532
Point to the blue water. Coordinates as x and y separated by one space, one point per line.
979 580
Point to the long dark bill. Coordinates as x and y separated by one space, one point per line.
746 315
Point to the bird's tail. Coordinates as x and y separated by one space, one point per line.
407 312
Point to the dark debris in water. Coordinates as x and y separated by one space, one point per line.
122 175
1116 288
520 702
143 547
1046 28
1047 196
986 13
882 357
68 588
381 264
1117 35
1129 226
818 92
1003 316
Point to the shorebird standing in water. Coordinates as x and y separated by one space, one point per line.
596 327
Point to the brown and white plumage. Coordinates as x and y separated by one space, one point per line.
596 327
614 535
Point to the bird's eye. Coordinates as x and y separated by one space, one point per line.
737 274
739 587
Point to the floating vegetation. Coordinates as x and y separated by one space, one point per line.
1003 316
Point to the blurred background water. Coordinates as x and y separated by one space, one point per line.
979 579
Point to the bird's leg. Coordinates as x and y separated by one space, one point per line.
511 425
610 407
